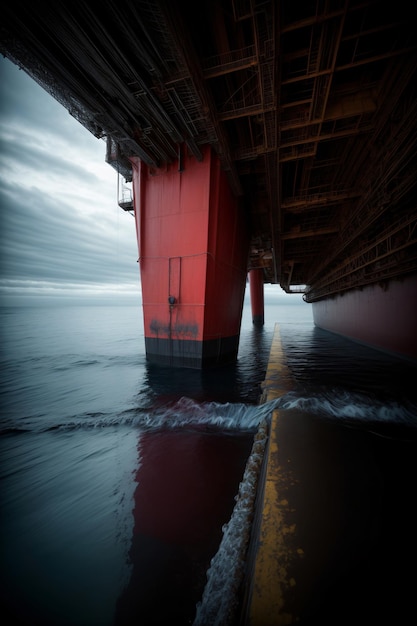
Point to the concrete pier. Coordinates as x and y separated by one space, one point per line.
333 539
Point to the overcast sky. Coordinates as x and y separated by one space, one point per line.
63 235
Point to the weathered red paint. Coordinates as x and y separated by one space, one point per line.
193 246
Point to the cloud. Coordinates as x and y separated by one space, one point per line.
62 231
63 235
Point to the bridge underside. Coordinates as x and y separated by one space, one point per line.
310 108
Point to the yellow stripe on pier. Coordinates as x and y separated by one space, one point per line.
266 604
278 378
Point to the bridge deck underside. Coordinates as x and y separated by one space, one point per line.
311 107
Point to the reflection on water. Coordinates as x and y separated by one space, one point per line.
186 485
320 360
118 476
237 382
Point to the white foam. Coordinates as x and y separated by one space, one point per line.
219 601
344 404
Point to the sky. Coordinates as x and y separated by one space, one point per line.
63 236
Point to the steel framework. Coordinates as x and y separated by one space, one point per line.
310 105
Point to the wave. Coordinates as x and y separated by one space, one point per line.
183 414
342 404
220 599
346 406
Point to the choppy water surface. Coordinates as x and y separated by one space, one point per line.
127 488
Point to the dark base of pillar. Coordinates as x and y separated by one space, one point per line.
192 354
258 320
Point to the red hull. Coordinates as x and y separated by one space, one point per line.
193 248
256 284
382 317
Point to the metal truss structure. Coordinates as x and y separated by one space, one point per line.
311 106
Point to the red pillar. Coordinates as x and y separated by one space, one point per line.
256 284
193 248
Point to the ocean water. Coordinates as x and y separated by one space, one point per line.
126 487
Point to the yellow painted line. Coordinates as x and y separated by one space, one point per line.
271 579
278 377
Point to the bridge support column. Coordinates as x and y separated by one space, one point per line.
256 285
193 245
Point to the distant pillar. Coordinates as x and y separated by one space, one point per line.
256 284
193 243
